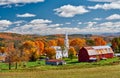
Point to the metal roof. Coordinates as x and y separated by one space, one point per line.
96 50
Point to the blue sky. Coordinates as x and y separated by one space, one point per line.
60 16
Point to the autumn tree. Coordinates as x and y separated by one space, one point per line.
72 52
60 42
40 47
12 54
77 43
2 47
52 43
116 44
90 42
99 41
50 52
29 50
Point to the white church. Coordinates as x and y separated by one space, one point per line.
59 53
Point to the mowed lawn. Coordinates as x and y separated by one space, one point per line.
94 72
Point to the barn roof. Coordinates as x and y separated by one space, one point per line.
100 47
96 50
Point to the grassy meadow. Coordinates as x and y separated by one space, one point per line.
103 69
96 72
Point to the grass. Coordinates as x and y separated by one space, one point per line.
96 72
109 68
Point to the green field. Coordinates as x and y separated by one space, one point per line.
103 69
96 72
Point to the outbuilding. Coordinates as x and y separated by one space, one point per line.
94 53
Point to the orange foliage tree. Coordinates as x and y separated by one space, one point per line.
50 52
40 47
99 41
60 41
77 43
30 50
52 43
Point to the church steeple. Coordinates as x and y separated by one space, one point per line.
65 54
66 40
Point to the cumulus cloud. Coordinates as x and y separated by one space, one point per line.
35 26
26 15
7 2
45 26
113 17
4 24
106 27
40 21
79 23
90 24
70 10
106 6
97 19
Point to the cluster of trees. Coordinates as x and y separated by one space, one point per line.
31 50
116 44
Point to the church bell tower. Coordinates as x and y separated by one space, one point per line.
65 54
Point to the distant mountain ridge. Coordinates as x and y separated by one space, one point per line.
111 34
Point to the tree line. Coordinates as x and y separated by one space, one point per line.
31 50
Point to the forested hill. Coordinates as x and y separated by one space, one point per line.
15 36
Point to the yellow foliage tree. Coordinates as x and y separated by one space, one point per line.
2 49
50 52
72 52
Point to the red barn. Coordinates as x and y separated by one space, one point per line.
93 53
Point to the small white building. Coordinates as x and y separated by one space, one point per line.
58 52
58 49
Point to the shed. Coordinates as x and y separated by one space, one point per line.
93 53
55 62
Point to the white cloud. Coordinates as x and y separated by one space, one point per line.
70 10
79 23
106 6
42 27
7 2
35 26
97 19
40 21
90 24
55 25
106 27
4 24
104 0
113 17
26 15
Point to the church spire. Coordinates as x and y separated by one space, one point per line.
65 54
66 40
